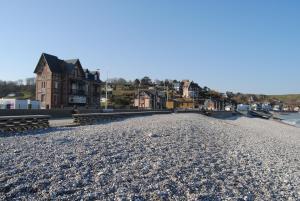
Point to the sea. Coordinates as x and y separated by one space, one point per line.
291 118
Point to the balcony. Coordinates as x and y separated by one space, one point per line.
78 92
97 94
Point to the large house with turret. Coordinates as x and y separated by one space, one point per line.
189 89
65 83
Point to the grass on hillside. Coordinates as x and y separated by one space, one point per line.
289 98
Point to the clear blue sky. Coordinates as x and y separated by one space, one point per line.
245 46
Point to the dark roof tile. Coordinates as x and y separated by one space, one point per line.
53 62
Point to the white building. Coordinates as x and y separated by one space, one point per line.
276 107
229 108
12 103
243 107
266 106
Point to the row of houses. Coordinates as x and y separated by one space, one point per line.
186 96
267 106
64 83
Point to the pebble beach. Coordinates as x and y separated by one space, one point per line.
159 157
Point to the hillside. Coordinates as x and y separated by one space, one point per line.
289 98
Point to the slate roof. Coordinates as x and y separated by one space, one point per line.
72 61
57 65
53 63
91 74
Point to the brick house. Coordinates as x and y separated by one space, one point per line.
64 83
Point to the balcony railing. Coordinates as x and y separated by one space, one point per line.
77 92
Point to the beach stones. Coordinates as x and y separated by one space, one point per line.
160 157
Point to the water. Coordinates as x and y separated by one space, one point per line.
291 118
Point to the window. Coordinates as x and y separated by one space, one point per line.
56 85
75 72
43 98
55 99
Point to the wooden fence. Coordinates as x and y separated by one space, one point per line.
92 118
25 122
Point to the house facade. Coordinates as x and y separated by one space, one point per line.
64 83
150 99
210 104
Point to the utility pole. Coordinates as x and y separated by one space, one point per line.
193 99
106 91
98 89
139 96
167 92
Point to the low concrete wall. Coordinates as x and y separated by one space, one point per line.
222 114
57 113
187 111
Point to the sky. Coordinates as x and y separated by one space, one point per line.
240 46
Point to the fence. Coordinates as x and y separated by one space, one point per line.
92 118
59 113
20 123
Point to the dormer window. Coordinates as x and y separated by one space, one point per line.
86 75
95 77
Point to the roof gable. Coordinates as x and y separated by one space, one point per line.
52 61
71 64
40 65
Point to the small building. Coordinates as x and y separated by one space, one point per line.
186 104
150 99
170 104
266 106
229 108
277 108
182 103
243 107
210 104
12 103
286 108
177 86
255 106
